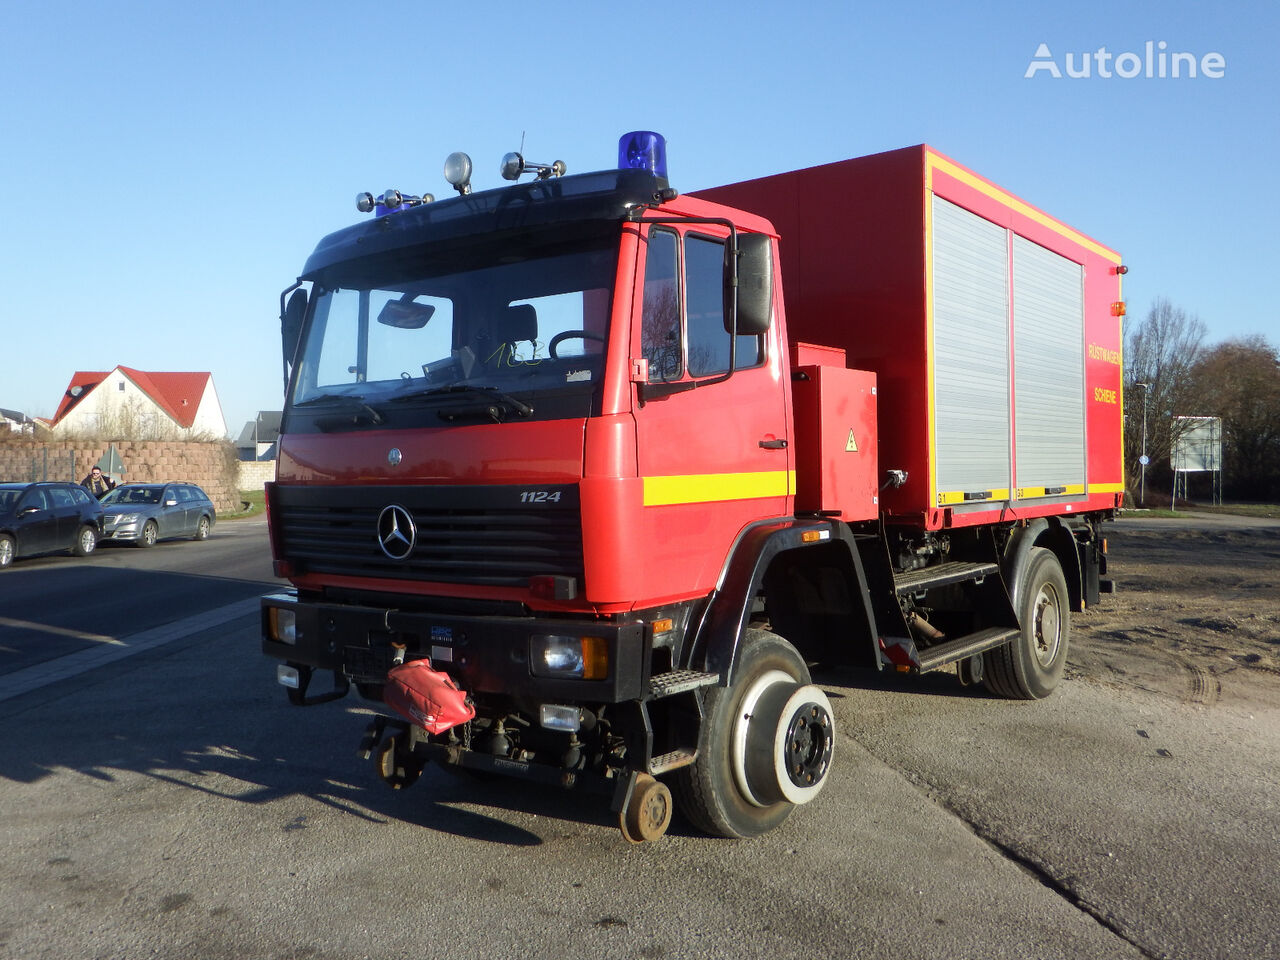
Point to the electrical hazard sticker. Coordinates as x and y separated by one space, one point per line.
851 445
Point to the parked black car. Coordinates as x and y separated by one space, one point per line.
45 518
143 513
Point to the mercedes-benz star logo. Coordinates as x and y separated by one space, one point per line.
396 532
393 456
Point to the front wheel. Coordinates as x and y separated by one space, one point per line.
1030 667
7 550
766 743
86 541
149 534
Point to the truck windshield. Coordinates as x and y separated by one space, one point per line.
457 326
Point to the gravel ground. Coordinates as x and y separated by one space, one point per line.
1196 616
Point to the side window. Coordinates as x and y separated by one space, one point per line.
184 494
61 497
704 303
81 495
660 323
35 498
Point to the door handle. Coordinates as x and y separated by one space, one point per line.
773 444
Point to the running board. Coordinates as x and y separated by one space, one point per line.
664 763
679 681
942 575
931 658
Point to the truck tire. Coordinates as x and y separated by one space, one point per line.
1030 667
765 746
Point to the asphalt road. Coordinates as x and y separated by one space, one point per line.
168 802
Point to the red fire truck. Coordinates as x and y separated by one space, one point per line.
571 487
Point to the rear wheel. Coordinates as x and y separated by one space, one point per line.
1030 667
149 534
7 550
202 529
86 541
766 743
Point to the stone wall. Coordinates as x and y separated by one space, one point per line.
253 474
211 465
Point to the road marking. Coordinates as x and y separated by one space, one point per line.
57 631
111 649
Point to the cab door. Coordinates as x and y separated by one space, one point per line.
713 454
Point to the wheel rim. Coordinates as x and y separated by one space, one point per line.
1047 625
149 534
6 552
783 741
87 540
203 531
742 729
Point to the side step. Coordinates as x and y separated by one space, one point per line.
944 574
931 658
679 681
671 761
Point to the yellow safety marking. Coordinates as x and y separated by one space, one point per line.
1068 490
851 445
934 161
949 497
709 487
1106 488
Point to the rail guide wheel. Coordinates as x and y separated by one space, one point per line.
648 814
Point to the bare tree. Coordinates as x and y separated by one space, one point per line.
1244 377
1161 353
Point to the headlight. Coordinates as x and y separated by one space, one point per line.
283 625
126 518
579 658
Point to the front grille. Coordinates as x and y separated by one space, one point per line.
479 535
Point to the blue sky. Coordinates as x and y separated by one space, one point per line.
167 167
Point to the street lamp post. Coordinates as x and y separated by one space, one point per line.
1142 460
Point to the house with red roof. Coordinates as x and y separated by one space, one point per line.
125 403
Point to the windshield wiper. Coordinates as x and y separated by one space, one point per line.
499 402
362 409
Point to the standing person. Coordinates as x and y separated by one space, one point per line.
98 483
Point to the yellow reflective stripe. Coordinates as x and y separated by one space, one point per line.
708 487
1106 488
934 162
1069 490
957 496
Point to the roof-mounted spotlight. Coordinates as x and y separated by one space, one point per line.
513 165
389 202
457 170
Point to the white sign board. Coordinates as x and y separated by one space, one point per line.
1199 448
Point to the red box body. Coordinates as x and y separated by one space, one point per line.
865 269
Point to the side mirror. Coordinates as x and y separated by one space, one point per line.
755 284
291 324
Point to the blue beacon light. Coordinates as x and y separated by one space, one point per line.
643 150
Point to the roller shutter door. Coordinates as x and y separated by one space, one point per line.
970 354
1048 372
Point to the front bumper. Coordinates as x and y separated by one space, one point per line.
485 655
113 530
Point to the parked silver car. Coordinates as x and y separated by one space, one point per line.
143 513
